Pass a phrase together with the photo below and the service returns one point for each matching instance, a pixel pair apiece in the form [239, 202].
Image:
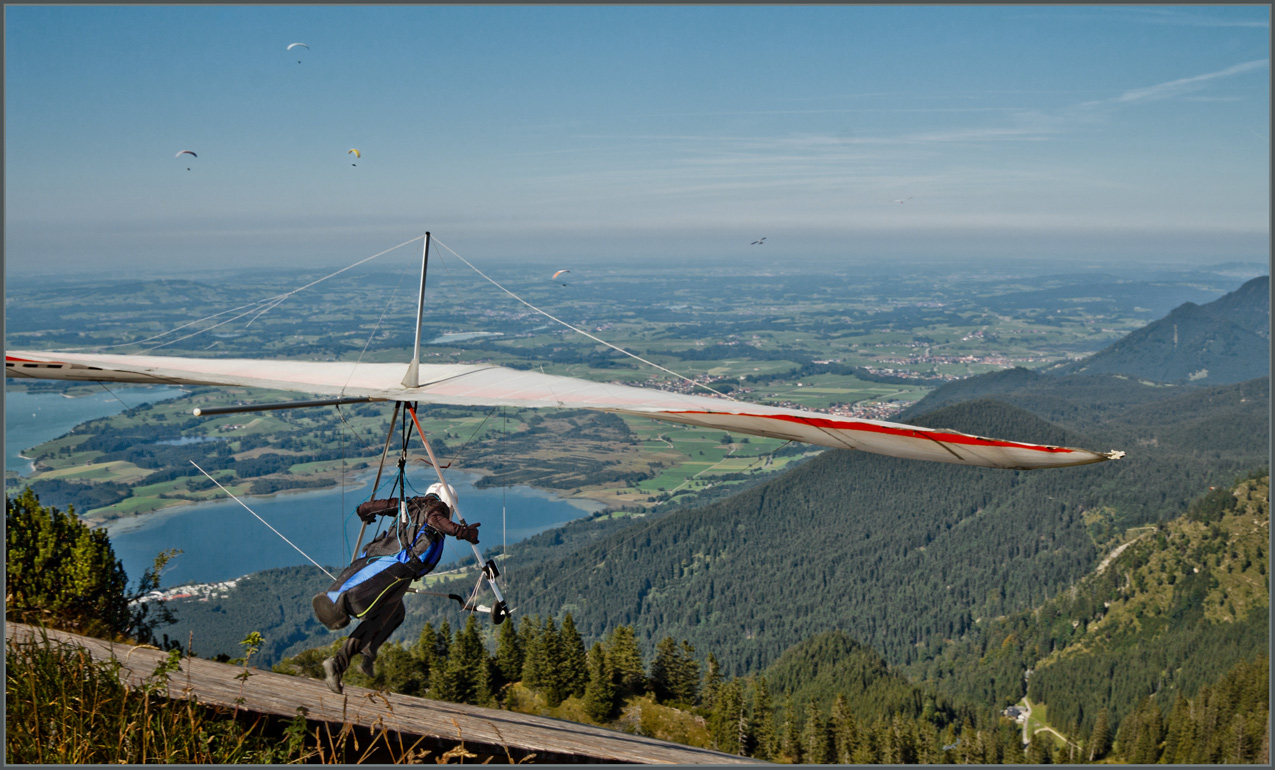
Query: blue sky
[613, 134]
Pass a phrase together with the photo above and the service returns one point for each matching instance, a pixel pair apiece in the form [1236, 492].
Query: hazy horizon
[621, 135]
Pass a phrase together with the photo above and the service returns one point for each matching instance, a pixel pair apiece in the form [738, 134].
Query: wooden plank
[266, 692]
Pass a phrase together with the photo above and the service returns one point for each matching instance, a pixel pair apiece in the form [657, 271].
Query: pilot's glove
[469, 532]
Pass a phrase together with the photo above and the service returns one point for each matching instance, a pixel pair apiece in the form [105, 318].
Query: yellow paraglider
[356, 154]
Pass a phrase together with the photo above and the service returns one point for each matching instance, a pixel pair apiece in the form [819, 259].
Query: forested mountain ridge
[1169, 612]
[900, 555]
[864, 544]
[831, 663]
[1224, 341]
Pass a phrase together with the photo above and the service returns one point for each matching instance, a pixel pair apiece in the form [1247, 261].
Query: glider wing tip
[1114, 454]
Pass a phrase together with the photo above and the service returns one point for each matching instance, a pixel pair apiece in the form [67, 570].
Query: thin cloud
[1185, 85]
[1178, 18]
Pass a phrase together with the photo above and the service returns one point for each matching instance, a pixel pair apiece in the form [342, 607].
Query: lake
[221, 540]
[30, 419]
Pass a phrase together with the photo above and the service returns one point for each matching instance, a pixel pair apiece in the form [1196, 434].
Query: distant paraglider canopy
[294, 45]
[356, 153]
[186, 152]
[560, 272]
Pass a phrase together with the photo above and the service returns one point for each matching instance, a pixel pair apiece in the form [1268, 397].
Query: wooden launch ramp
[488, 732]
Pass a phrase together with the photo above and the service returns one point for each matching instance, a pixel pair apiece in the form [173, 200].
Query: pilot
[371, 589]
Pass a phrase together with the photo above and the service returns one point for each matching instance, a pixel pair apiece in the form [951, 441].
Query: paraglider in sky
[186, 152]
[294, 45]
[560, 272]
[356, 153]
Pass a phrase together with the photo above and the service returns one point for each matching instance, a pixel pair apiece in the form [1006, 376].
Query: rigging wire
[263, 521]
[375, 329]
[269, 302]
[582, 331]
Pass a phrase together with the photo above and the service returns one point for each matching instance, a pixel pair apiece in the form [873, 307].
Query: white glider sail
[477, 385]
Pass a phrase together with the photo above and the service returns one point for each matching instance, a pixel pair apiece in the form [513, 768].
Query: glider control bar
[470, 607]
[201, 412]
[489, 572]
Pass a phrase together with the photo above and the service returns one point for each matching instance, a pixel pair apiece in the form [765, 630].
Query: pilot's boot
[332, 675]
[331, 614]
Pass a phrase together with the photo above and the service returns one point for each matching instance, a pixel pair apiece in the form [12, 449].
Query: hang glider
[481, 385]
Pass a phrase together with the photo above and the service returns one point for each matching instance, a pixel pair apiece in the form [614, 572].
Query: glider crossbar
[202, 412]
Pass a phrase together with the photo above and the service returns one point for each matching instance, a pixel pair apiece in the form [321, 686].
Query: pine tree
[508, 653]
[555, 674]
[712, 683]
[1100, 736]
[763, 721]
[1147, 734]
[1208, 725]
[844, 731]
[60, 572]
[1038, 752]
[443, 642]
[790, 734]
[905, 740]
[868, 752]
[687, 677]
[884, 739]
[397, 670]
[815, 737]
[626, 660]
[1238, 747]
[723, 720]
[928, 744]
[663, 674]
[425, 652]
[468, 676]
[534, 663]
[575, 670]
[1184, 740]
[599, 692]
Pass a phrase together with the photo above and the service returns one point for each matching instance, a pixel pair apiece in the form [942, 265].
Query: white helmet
[443, 492]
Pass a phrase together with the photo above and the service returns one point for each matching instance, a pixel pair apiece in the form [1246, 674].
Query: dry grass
[64, 707]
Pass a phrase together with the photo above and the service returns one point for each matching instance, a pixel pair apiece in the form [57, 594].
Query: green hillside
[899, 555]
[831, 663]
[1176, 607]
[1224, 341]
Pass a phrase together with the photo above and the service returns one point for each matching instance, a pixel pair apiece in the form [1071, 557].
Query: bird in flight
[757, 242]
